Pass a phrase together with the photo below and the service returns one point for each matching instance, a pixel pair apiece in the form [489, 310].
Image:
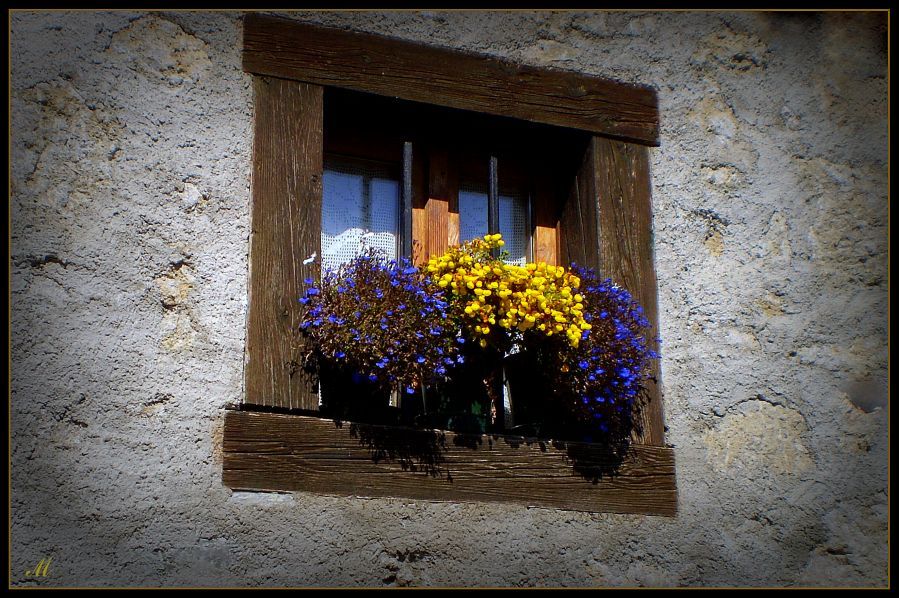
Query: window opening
[360, 210]
[510, 214]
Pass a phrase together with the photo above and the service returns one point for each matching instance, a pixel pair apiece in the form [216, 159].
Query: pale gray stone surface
[131, 141]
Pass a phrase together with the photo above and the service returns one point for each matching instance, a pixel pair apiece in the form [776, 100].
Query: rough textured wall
[130, 194]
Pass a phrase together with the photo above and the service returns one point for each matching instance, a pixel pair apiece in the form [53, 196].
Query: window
[409, 139]
[360, 211]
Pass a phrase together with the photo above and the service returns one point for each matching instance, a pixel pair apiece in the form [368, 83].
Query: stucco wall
[131, 138]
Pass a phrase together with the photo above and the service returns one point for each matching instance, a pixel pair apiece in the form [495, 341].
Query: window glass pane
[513, 209]
[472, 214]
[360, 210]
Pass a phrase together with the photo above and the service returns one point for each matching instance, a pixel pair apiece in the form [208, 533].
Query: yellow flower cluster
[491, 293]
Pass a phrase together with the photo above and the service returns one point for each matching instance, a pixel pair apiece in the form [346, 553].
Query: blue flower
[308, 281]
[420, 359]
[340, 355]
[410, 390]
[312, 292]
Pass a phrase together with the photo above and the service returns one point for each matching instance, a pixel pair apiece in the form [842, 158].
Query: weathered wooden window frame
[274, 442]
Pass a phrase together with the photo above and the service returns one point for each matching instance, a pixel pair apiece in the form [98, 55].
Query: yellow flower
[537, 296]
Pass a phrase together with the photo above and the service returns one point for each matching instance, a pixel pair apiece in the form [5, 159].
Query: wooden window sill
[282, 452]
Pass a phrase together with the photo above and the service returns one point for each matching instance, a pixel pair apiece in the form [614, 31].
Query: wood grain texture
[419, 236]
[419, 211]
[375, 64]
[626, 247]
[437, 208]
[545, 241]
[286, 229]
[265, 451]
[546, 221]
[579, 222]
[453, 224]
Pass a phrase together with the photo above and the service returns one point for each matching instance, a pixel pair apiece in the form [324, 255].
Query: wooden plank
[453, 222]
[437, 208]
[579, 222]
[545, 241]
[606, 224]
[451, 193]
[419, 211]
[419, 236]
[275, 452]
[546, 222]
[375, 64]
[286, 229]
[626, 247]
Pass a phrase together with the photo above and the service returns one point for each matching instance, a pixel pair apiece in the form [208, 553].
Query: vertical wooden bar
[626, 247]
[419, 210]
[406, 220]
[545, 228]
[453, 223]
[286, 231]
[437, 207]
[493, 199]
